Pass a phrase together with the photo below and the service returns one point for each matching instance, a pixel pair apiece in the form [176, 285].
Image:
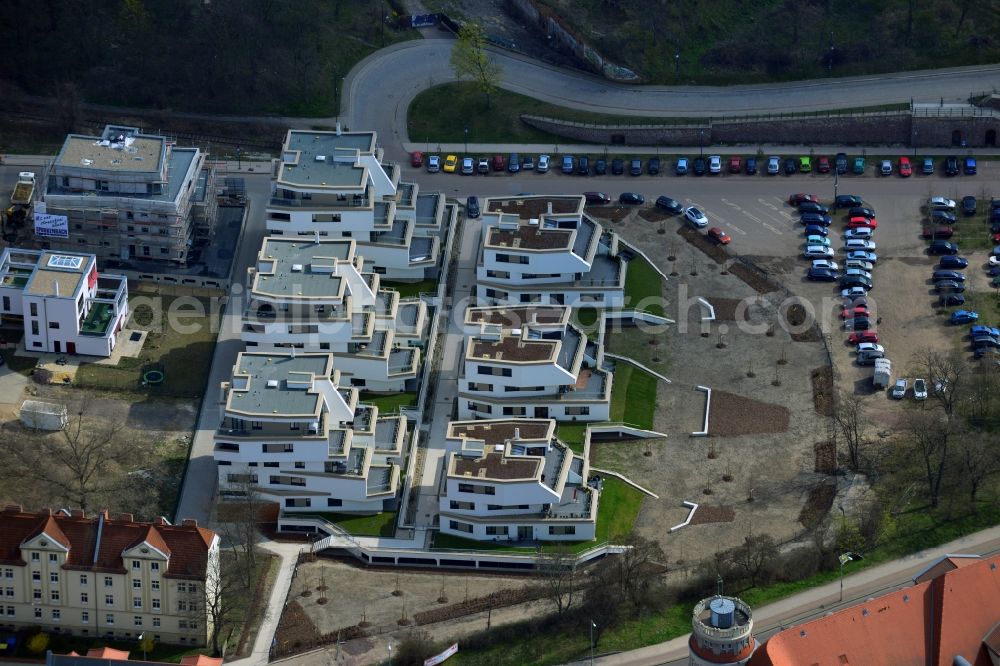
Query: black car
[617, 166]
[821, 275]
[631, 198]
[858, 324]
[861, 211]
[514, 163]
[847, 201]
[750, 166]
[812, 207]
[653, 166]
[816, 218]
[982, 341]
[949, 287]
[670, 205]
[583, 166]
[599, 198]
[791, 166]
[940, 247]
[600, 167]
[943, 217]
[951, 262]
[952, 299]
[942, 275]
[849, 281]
[699, 166]
[635, 168]
[951, 166]
[840, 163]
[969, 206]
[472, 208]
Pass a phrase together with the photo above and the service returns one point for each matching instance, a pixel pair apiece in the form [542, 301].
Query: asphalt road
[378, 90]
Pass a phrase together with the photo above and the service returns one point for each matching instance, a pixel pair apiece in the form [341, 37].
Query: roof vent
[723, 612]
[321, 158]
[297, 268]
[533, 221]
[272, 383]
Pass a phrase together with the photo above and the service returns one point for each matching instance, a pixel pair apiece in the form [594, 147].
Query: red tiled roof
[108, 653]
[200, 660]
[186, 544]
[928, 623]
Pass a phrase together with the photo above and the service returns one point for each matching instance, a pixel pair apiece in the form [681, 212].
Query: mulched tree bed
[822, 388]
[754, 279]
[654, 214]
[713, 514]
[795, 315]
[715, 252]
[817, 505]
[733, 414]
[826, 457]
[725, 308]
[613, 213]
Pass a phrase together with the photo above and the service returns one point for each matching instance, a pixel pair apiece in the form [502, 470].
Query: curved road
[378, 90]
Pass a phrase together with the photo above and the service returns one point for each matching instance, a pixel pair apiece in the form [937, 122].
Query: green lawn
[633, 396]
[181, 341]
[411, 289]
[380, 524]
[587, 320]
[572, 435]
[643, 287]
[389, 403]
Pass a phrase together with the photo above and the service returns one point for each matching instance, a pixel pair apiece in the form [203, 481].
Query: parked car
[868, 346]
[939, 247]
[951, 262]
[599, 198]
[949, 287]
[861, 211]
[963, 317]
[847, 201]
[799, 198]
[821, 275]
[943, 217]
[854, 311]
[750, 166]
[416, 159]
[905, 168]
[817, 252]
[568, 164]
[899, 389]
[979, 330]
[468, 166]
[670, 205]
[805, 164]
[951, 166]
[583, 166]
[869, 358]
[543, 164]
[514, 163]
[818, 240]
[985, 342]
[862, 255]
[861, 324]
[969, 206]
[450, 163]
[528, 163]
[791, 166]
[653, 166]
[617, 166]
[828, 264]
[936, 232]
[919, 389]
[681, 168]
[939, 276]
[699, 166]
[635, 167]
[848, 281]
[813, 207]
[816, 230]
[970, 166]
[858, 232]
[840, 163]
[433, 163]
[866, 266]
[714, 164]
[735, 164]
[695, 217]
[885, 168]
[816, 218]
[849, 272]
[498, 163]
[773, 165]
[600, 167]
[863, 337]
[483, 166]
[823, 164]
[854, 292]
[719, 236]
[631, 199]
[952, 299]
[472, 208]
[859, 166]
[869, 222]
[928, 166]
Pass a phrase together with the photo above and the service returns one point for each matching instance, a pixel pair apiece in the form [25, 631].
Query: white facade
[293, 435]
[66, 306]
[311, 294]
[529, 361]
[336, 185]
[560, 257]
[512, 480]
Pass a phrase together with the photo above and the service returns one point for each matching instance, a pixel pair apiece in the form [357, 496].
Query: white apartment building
[105, 577]
[529, 361]
[65, 305]
[312, 294]
[292, 434]
[546, 250]
[512, 480]
[131, 196]
[337, 185]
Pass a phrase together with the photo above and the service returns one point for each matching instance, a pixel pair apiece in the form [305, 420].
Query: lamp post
[466, 141]
[836, 184]
[677, 65]
[592, 627]
[701, 142]
[142, 644]
[390, 653]
[239, 158]
[914, 143]
[829, 61]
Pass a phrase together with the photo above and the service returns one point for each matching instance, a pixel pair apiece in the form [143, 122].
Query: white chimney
[57, 288]
[517, 434]
[317, 237]
[338, 129]
[293, 351]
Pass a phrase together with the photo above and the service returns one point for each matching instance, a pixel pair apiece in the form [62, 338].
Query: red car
[862, 336]
[936, 232]
[599, 198]
[995, 238]
[719, 236]
[417, 159]
[856, 311]
[856, 222]
[498, 163]
[735, 164]
[797, 199]
[823, 164]
[905, 168]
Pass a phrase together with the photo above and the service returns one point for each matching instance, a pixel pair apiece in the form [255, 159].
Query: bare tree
[980, 394]
[239, 521]
[755, 557]
[980, 456]
[928, 437]
[850, 419]
[559, 574]
[947, 374]
[635, 572]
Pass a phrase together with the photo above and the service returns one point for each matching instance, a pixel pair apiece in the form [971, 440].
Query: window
[164, 250]
[136, 602]
[34, 556]
[155, 584]
[84, 617]
[334, 501]
[37, 595]
[52, 556]
[182, 605]
[9, 592]
[562, 529]
[192, 588]
[33, 308]
[109, 599]
[34, 331]
[460, 527]
[53, 577]
[577, 411]
[54, 595]
[83, 579]
[136, 583]
[136, 564]
[8, 573]
[500, 372]
[271, 464]
[299, 465]
[109, 619]
[293, 503]
[84, 598]
[476, 489]
[496, 530]
[56, 614]
[137, 620]
[154, 566]
[11, 611]
[514, 411]
[501, 275]
[36, 576]
[478, 386]
[278, 448]
[156, 623]
[461, 506]
[514, 389]
[156, 604]
[511, 259]
[182, 624]
[38, 613]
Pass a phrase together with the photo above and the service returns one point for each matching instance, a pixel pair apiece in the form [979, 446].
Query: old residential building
[560, 256]
[311, 294]
[336, 184]
[100, 576]
[64, 304]
[292, 434]
[513, 480]
[131, 196]
[529, 361]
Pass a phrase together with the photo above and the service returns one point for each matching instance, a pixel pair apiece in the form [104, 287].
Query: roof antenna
[293, 351]
[317, 237]
[718, 586]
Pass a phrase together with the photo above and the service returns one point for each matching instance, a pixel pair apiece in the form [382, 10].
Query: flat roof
[325, 159]
[137, 153]
[512, 348]
[293, 267]
[518, 315]
[496, 466]
[52, 272]
[260, 384]
[536, 206]
[492, 433]
[530, 237]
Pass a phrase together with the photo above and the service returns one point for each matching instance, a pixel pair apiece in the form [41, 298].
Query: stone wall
[893, 128]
